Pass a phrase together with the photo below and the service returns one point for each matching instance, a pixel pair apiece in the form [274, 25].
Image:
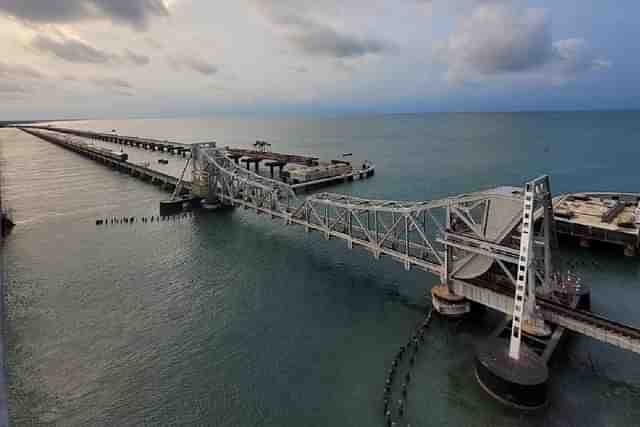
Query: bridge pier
[630, 250]
[273, 165]
[520, 383]
[449, 304]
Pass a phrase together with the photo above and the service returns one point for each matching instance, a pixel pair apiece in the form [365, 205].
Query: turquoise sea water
[228, 319]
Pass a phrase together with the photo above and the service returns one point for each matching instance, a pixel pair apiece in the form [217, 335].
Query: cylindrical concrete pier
[449, 304]
[520, 383]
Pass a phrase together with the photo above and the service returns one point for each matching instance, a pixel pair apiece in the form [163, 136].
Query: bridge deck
[112, 137]
[268, 155]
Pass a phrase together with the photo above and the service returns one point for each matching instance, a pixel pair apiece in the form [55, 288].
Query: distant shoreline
[317, 114]
[30, 122]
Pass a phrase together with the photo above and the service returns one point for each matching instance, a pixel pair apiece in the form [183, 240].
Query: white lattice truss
[413, 233]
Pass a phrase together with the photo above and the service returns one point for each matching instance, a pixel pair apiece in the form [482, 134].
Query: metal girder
[410, 232]
[425, 239]
[480, 251]
[490, 246]
[466, 219]
[404, 207]
[399, 227]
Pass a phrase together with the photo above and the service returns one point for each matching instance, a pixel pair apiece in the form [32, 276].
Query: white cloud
[505, 38]
[575, 55]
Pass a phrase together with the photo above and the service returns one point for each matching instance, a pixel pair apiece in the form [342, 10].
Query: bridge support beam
[443, 297]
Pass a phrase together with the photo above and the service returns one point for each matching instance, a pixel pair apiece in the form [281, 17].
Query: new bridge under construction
[493, 248]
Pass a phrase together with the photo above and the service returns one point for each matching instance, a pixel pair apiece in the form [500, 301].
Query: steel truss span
[457, 238]
[410, 232]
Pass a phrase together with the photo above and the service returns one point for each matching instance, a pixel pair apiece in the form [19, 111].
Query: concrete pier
[599, 217]
[273, 160]
[275, 164]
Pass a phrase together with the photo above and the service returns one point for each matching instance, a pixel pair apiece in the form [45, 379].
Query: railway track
[583, 322]
[596, 320]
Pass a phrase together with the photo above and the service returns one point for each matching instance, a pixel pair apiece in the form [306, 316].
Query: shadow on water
[328, 256]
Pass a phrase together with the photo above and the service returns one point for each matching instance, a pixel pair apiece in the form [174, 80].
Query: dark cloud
[19, 80]
[10, 71]
[135, 13]
[45, 11]
[313, 37]
[71, 50]
[316, 39]
[114, 85]
[153, 43]
[499, 38]
[8, 87]
[136, 58]
[78, 51]
[194, 64]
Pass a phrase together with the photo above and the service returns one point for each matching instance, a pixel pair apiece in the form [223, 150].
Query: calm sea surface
[228, 319]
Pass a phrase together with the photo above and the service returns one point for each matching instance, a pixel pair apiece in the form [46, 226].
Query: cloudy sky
[115, 58]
